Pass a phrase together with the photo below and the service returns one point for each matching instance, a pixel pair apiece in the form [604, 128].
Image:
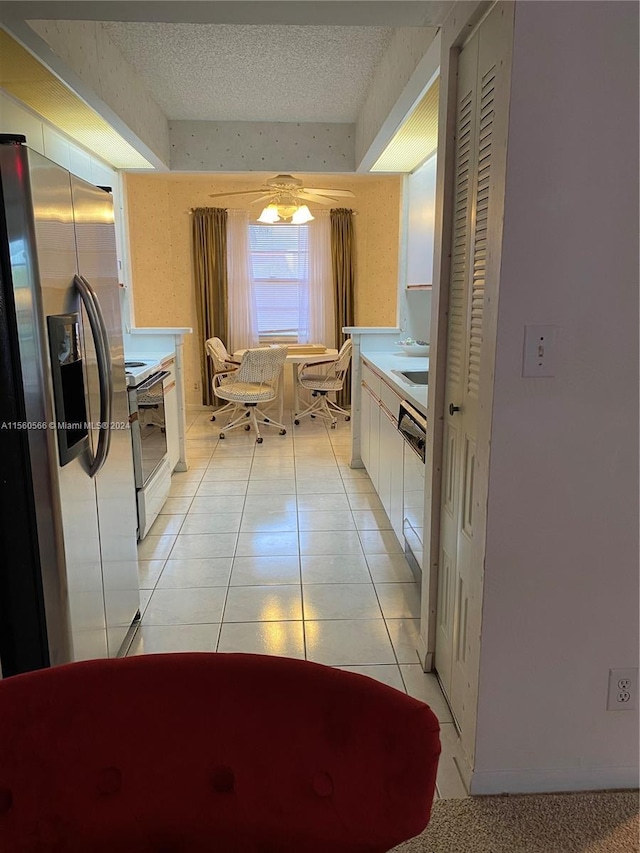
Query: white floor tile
[359, 486]
[343, 542]
[449, 782]
[319, 486]
[259, 473]
[155, 547]
[399, 600]
[185, 606]
[387, 568]
[368, 519]
[176, 506]
[263, 521]
[424, 686]
[405, 635]
[366, 501]
[158, 639]
[285, 639]
[263, 603]
[340, 601]
[335, 569]
[149, 572]
[272, 487]
[186, 574]
[380, 542]
[330, 502]
[386, 673]
[145, 596]
[215, 488]
[183, 490]
[251, 571]
[348, 642]
[275, 544]
[204, 545]
[326, 520]
[166, 524]
[270, 503]
[218, 503]
[221, 522]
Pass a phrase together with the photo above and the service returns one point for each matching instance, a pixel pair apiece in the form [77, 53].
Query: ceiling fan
[286, 198]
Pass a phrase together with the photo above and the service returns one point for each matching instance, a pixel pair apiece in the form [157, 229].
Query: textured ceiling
[222, 72]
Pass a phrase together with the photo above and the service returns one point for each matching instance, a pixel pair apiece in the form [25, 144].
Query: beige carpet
[603, 822]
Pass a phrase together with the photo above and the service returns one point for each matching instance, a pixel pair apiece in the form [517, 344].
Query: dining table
[295, 359]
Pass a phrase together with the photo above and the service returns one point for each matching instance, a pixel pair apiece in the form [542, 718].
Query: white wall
[561, 574]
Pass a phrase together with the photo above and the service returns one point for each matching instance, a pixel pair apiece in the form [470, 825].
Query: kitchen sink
[414, 377]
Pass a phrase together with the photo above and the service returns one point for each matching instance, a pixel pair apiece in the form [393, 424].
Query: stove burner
[135, 364]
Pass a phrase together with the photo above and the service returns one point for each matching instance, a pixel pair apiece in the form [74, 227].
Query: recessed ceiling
[221, 72]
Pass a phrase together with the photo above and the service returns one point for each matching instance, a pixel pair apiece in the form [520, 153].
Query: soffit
[253, 73]
[22, 76]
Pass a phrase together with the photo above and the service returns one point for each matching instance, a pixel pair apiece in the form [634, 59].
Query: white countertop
[386, 362]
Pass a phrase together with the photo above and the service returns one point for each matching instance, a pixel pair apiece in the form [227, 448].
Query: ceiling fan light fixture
[269, 215]
[302, 215]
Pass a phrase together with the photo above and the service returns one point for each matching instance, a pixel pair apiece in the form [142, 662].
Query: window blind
[279, 263]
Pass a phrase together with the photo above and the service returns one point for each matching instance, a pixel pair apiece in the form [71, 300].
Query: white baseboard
[553, 780]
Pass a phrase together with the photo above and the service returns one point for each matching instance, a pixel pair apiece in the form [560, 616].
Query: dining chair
[255, 381]
[223, 366]
[321, 384]
[195, 752]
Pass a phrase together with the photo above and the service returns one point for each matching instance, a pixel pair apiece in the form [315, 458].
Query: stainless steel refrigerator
[68, 562]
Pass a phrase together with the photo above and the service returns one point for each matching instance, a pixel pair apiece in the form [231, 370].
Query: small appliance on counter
[145, 387]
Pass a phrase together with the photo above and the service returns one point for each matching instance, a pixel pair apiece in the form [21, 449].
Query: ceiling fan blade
[238, 192]
[262, 198]
[320, 199]
[340, 193]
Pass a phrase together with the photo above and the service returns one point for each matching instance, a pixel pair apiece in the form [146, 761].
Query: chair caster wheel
[314, 417]
[247, 427]
[266, 420]
[212, 418]
[283, 432]
[259, 440]
[221, 435]
[348, 418]
[297, 422]
[333, 425]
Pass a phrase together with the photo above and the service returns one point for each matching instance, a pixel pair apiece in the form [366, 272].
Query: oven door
[148, 427]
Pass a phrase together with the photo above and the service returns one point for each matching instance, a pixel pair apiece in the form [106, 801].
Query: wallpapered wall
[159, 225]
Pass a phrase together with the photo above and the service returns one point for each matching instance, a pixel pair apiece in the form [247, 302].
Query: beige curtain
[210, 272]
[343, 261]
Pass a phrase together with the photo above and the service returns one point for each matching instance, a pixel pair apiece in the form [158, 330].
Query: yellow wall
[160, 246]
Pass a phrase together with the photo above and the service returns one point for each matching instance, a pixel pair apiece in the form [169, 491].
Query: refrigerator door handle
[105, 379]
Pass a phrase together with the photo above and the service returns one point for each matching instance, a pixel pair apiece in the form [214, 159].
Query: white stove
[138, 369]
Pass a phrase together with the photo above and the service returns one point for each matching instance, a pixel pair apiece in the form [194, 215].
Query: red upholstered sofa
[227, 753]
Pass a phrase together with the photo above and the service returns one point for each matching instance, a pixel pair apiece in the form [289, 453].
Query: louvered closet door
[460, 571]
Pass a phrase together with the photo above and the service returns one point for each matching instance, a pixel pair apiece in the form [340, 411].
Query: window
[279, 263]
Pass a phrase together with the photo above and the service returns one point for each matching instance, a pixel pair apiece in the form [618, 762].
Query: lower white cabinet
[382, 446]
[171, 413]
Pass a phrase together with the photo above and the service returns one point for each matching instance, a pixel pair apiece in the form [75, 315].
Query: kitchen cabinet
[171, 412]
[382, 446]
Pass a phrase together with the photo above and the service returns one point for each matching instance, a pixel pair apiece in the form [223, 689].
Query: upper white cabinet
[420, 225]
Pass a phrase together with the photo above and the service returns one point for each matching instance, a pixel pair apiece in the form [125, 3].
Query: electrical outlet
[196, 386]
[623, 690]
[539, 356]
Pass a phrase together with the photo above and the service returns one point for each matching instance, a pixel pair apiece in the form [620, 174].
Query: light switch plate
[539, 356]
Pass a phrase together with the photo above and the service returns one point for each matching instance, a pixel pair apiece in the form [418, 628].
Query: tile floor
[281, 548]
